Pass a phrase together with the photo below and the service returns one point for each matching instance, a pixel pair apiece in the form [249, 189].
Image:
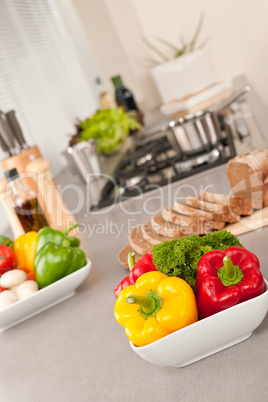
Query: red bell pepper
[136, 270]
[7, 259]
[226, 278]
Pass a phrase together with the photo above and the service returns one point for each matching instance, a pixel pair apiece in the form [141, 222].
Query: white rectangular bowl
[43, 299]
[207, 336]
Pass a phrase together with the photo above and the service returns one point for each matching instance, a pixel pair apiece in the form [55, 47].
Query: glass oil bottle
[25, 203]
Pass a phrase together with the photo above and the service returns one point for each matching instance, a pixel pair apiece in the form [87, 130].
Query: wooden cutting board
[203, 105]
[247, 224]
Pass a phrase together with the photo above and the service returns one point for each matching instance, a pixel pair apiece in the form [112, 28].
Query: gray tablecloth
[76, 351]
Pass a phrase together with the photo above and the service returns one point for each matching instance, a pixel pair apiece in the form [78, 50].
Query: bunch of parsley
[180, 257]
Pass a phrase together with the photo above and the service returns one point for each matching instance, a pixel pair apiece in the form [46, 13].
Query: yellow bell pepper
[24, 248]
[154, 307]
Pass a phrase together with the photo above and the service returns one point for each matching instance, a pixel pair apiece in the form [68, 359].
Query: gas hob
[149, 165]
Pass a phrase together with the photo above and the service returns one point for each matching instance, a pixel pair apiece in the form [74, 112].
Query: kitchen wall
[47, 75]
[237, 29]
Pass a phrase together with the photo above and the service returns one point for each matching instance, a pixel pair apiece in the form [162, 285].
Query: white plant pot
[182, 76]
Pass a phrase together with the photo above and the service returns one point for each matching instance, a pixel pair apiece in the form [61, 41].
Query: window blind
[47, 73]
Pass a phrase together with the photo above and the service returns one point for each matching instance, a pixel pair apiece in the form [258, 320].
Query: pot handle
[234, 98]
[169, 133]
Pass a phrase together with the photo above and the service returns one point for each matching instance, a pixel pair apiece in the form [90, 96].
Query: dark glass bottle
[123, 96]
[25, 204]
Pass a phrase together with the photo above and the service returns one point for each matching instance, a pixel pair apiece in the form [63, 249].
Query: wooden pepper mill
[55, 210]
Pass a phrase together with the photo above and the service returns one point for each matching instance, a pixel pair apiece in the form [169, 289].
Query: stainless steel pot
[200, 131]
[194, 133]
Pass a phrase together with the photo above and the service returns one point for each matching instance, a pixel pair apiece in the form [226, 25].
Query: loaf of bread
[248, 175]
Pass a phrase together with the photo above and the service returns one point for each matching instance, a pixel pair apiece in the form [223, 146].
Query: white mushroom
[26, 289]
[13, 278]
[7, 297]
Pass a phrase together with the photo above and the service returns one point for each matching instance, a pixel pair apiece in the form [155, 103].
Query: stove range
[154, 163]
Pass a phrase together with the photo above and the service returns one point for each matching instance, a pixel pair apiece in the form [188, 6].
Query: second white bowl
[207, 336]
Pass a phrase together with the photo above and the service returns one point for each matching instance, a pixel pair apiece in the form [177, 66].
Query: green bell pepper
[54, 262]
[6, 241]
[49, 235]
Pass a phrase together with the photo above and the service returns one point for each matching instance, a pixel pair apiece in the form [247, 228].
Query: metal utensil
[239, 122]
[234, 98]
[7, 134]
[17, 131]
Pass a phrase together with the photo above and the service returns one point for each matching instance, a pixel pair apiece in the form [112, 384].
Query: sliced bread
[207, 206]
[123, 255]
[138, 242]
[195, 225]
[182, 208]
[165, 228]
[238, 205]
[151, 236]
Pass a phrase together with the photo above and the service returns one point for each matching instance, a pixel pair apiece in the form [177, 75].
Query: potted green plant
[180, 70]
[109, 129]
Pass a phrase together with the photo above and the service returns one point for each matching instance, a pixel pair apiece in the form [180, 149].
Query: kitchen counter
[76, 351]
[122, 163]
